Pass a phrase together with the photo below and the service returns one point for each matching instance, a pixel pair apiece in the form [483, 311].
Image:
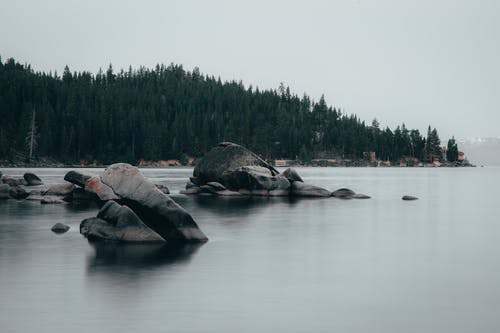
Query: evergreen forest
[168, 112]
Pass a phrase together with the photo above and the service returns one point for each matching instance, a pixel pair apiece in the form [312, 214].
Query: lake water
[271, 265]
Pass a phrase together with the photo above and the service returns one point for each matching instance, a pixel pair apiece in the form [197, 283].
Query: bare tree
[32, 137]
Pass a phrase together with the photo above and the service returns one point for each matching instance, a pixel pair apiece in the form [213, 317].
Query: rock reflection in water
[122, 258]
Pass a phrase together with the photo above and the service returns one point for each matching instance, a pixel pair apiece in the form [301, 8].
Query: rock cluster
[232, 170]
[133, 208]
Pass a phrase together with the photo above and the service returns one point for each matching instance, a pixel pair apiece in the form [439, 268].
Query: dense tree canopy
[168, 112]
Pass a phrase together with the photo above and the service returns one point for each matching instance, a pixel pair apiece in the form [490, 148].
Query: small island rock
[409, 198]
[60, 228]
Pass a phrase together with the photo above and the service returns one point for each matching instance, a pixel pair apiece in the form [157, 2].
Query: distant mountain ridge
[481, 151]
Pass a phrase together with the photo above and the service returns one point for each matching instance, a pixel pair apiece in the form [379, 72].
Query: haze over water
[271, 265]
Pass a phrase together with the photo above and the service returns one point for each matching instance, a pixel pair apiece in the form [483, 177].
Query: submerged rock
[32, 179]
[117, 222]
[60, 228]
[343, 193]
[360, 196]
[301, 189]
[409, 198]
[52, 199]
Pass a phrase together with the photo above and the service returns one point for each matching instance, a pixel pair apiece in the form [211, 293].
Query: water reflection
[131, 258]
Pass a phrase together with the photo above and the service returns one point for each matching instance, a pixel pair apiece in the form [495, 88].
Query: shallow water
[271, 265]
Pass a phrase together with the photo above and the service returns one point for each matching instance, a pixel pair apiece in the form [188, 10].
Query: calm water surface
[271, 265]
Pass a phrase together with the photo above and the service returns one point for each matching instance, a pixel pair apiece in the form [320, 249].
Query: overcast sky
[420, 62]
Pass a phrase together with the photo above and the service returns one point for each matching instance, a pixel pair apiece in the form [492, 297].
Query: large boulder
[157, 210]
[118, 223]
[226, 157]
[241, 171]
[343, 193]
[32, 179]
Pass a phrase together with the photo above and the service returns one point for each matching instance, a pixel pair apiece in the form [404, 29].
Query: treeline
[170, 113]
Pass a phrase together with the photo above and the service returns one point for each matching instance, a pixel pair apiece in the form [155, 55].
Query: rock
[190, 184]
[158, 211]
[360, 196]
[292, 175]
[11, 181]
[163, 188]
[409, 198]
[118, 223]
[79, 177]
[343, 193]
[79, 194]
[191, 190]
[4, 191]
[254, 178]
[228, 193]
[196, 181]
[59, 189]
[103, 192]
[223, 158]
[60, 228]
[216, 186]
[17, 192]
[35, 196]
[52, 199]
[32, 179]
[306, 190]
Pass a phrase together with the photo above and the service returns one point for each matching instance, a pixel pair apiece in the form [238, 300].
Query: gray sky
[419, 62]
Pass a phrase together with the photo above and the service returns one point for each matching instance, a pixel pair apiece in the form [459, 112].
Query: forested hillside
[168, 112]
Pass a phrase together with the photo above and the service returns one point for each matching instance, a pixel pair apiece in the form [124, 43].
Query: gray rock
[59, 189]
[226, 157]
[292, 175]
[118, 223]
[32, 179]
[254, 178]
[409, 198]
[4, 191]
[17, 192]
[60, 228]
[78, 177]
[343, 193]
[12, 181]
[52, 199]
[79, 194]
[102, 191]
[158, 211]
[35, 196]
[163, 188]
[360, 196]
[190, 184]
[301, 189]
[216, 186]
[191, 190]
